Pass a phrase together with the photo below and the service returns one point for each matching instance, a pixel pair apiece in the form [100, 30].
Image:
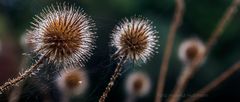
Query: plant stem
[22, 76]
[178, 15]
[181, 84]
[212, 40]
[231, 10]
[114, 77]
[202, 92]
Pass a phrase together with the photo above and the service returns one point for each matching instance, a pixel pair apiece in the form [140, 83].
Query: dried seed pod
[190, 49]
[65, 32]
[135, 38]
[72, 81]
[138, 84]
[62, 35]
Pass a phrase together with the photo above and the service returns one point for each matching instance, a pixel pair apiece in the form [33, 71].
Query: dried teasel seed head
[72, 81]
[65, 32]
[190, 49]
[138, 84]
[135, 38]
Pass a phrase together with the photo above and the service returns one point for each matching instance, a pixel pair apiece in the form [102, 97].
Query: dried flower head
[25, 38]
[138, 84]
[135, 38]
[191, 49]
[72, 81]
[65, 32]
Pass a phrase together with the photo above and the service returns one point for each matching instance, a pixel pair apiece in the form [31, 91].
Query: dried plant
[72, 81]
[138, 84]
[190, 49]
[62, 35]
[193, 67]
[178, 15]
[233, 69]
[135, 40]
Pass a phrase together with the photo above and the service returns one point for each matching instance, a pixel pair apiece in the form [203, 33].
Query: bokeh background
[201, 17]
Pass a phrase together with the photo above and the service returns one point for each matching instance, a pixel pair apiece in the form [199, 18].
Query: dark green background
[201, 17]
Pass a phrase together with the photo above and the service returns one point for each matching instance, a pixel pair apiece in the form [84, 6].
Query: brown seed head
[191, 49]
[135, 38]
[65, 32]
[192, 52]
[138, 84]
[72, 81]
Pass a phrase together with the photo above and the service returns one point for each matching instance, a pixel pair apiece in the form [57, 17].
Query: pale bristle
[65, 32]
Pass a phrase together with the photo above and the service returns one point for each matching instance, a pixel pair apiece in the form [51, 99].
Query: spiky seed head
[72, 81]
[190, 49]
[65, 32]
[135, 38]
[138, 84]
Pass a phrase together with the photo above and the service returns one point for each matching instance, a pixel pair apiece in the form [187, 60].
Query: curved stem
[202, 92]
[178, 15]
[116, 74]
[231, 10]
[212, 40]
[181, 84]
[22, 76]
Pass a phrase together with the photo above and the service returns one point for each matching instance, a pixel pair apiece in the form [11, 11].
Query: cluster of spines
[64, 31]
[135, 38]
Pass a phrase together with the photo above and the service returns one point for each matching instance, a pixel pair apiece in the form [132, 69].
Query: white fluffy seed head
[65, 32]
[72, 82]
[135, 38]
[138, 84]
[190, 49]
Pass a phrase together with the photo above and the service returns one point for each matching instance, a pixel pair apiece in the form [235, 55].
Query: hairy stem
[202, 92]
[22, 76]
[114, 77]
[178, 15]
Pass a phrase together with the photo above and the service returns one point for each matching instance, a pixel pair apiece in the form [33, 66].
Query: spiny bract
[135, 38]
[65, 33]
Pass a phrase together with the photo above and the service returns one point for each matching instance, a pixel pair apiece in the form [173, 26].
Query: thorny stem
[212, 40]
[178, 15]
[116, 74]
[214, 83]
[22, 76]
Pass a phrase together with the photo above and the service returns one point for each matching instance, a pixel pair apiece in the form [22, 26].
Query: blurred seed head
[135, 38]
[65, 32]
[138, 84]
[72, 81]
[190, 49]
[24, 42]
